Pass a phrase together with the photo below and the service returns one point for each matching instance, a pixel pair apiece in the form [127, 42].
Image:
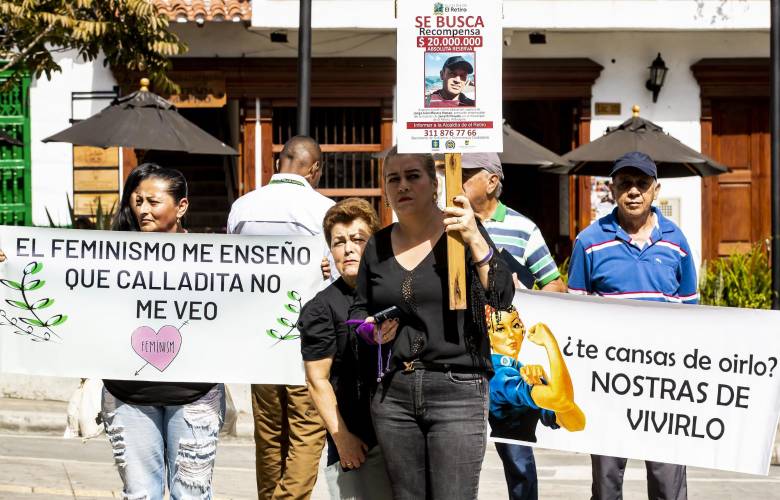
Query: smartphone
[391, 312]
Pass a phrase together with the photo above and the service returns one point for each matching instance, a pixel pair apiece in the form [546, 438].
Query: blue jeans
[148, 440]
[519, 470]
[432, 427]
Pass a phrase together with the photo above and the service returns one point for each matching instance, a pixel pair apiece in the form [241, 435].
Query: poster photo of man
[449, 80]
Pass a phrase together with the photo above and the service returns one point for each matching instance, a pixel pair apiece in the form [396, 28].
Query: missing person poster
[674, 383]
[154, 306]
[449, 76]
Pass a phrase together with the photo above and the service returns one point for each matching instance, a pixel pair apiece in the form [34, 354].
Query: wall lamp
[657, 75]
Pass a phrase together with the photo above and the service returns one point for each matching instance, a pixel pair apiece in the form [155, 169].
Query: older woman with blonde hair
[430, 410]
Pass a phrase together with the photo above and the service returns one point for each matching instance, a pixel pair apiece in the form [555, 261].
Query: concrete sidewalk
[36, 463]
[27, 416]
[49, 417]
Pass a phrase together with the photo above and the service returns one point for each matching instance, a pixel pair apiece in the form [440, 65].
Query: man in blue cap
[522, 246]
[455, 78]
[634, 253]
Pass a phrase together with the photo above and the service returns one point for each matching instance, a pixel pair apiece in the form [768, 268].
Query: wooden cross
[456, 252]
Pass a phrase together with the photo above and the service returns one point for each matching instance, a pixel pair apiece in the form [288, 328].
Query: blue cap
[637, 160]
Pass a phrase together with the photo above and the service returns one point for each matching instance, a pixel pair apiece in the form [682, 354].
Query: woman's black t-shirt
[324, 334]
[428, 330]
[143, 393]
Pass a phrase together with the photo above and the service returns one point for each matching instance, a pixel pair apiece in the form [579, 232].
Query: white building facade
[623, 37]
[594, 60]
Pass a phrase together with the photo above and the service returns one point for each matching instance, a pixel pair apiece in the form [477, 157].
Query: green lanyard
[287, 181]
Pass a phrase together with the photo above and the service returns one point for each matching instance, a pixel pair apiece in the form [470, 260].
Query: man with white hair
[522, 246]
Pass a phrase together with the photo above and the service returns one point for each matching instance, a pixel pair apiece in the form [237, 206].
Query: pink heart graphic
[157, 348]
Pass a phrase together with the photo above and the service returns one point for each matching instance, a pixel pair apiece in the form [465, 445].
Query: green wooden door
[15, 176]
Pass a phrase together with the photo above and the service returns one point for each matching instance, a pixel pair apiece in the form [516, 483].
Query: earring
[435, 197]
[387, 204]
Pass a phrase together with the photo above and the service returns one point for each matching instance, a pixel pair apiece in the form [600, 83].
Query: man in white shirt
[289, 433]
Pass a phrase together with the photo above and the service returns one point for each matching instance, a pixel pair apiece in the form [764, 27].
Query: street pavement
[37, 466]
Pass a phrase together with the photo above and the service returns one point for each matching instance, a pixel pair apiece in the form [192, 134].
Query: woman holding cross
[430, 409]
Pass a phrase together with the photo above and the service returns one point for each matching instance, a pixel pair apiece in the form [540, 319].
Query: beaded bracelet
[485, 259]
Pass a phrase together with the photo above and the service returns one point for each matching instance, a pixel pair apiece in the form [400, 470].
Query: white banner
[154, 306]
[673, 383]
[449, 76]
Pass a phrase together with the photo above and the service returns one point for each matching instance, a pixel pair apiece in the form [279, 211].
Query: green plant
[71, 215]
[740, 280]
[100, 218]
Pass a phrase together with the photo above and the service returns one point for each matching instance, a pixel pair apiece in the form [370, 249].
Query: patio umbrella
[520, 150]
[674, 159]
[146, 121]
[7, 140]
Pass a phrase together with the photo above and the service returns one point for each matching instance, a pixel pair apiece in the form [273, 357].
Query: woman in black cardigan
[430, 411]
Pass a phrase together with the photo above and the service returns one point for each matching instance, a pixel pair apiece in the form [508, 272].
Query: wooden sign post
[456, 251]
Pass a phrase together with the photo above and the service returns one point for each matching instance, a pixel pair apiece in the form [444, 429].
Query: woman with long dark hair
[430, 410]
[162, 433]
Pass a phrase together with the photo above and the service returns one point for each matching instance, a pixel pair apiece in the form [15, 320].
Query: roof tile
[205, 10]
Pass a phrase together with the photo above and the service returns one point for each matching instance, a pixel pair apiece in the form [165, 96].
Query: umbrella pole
[304, 67]
[456, 251]
[775, 151]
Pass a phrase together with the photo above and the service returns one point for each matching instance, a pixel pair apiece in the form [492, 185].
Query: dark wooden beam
[736, 77]
[567, 78]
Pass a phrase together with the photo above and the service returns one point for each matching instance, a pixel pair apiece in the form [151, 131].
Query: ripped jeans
[148, 440]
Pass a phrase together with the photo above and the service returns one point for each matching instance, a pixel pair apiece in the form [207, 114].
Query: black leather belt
[410, 366]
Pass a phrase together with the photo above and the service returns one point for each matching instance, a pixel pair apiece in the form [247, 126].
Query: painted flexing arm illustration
[520, 395]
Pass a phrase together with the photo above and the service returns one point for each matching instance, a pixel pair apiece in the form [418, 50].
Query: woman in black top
[340, 390]
[430, 412]
[161, 432]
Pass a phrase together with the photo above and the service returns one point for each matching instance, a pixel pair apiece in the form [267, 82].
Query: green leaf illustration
[292, 308]
[17, 303]
[290, 337]
[285, 322]
[31, 321]
[293, 295]
[11, 284]
[272, 333]
[34, 285]
[56, 320]
[43, 304]
[33, 267]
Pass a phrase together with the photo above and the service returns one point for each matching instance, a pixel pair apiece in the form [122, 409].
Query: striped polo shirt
[518, 235]
[606, 262]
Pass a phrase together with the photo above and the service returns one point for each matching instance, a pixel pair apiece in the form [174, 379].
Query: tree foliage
[130, 33]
